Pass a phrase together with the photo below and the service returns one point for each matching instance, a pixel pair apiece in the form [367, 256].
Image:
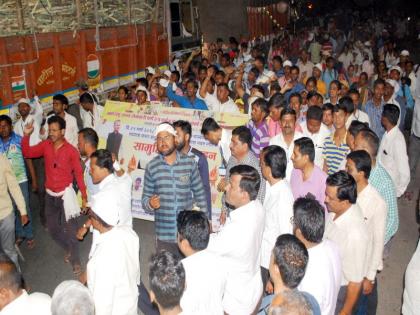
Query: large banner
[128, 131]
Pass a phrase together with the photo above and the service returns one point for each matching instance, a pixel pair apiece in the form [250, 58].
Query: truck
[49, 45]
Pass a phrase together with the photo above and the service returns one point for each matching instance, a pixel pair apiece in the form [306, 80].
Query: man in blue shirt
[172, 184]
[294, 86]
[287, 268]
[190, 101]
[10, 147]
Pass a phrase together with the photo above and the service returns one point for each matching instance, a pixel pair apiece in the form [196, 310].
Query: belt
[54, 194]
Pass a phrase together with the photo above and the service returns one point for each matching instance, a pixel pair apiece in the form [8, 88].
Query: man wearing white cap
[321, 87]
[26, 117]
[113, 271]
[172, 183]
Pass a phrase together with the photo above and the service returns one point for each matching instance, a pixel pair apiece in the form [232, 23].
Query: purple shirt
[315, 184]
[260, 137]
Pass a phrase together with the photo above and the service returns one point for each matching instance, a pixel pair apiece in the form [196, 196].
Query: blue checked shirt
[179, 186]
[382, 182]
[375, 114]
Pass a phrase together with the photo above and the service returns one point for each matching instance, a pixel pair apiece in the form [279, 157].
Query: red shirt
[60, 165]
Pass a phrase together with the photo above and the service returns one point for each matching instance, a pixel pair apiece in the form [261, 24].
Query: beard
[168, 151]
[180, 145]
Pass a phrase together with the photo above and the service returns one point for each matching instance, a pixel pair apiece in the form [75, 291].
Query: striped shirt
[179, 187]
[375, 113]
[334, 155]
[382, 182]
[260, 136]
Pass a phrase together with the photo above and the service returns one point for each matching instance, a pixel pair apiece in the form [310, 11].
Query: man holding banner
[172, 183]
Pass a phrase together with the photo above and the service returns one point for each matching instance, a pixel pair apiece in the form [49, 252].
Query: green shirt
[12, 150]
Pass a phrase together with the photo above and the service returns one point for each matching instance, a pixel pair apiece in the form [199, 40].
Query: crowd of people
[310, 183]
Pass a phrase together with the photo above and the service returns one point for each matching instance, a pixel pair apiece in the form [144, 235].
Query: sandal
[19, 241]
[77, 270]
[67, 257]
[30, 243]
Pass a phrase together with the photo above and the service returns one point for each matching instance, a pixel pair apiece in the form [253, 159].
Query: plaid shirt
[260, 136]
[375, 114]
[178, 185]
[382, 182]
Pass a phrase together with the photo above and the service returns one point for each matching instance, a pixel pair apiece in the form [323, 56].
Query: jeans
[26, 231]
[7, 237]
[62, 231]
[367, 304]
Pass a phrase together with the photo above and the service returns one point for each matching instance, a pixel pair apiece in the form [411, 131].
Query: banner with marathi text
[128, 131]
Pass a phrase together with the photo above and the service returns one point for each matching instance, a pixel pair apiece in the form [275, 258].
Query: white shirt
[323, 275]
[349, 232]
[19, 126]
[411, 297]
[228, 107]
[393, 156]
[224, 144]
[91, 120]
[318, 139]
[114, 198]
[279, 140]
[277, 218]
[205, 275]
[71, 132]
[374, 210]
[113, 272]
[35, 304]
[211, 101]
[359, 116]
[305, 67]
[239, 242]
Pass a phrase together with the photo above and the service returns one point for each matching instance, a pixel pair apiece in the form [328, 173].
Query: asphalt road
[44, 268]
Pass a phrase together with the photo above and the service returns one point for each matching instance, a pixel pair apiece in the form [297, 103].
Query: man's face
[237, 148]
[395, 75]
[55, 133]
[333, 90]
[313, 125]
[202, 75]
[137, 184]
[181, 138]
[165, 143]
[122, 96]
[355, 99]
[310, 86]
[257, 115]
[97, 173]
[287, 123]
[295, 104]
[378, 91]
[350, 141]
[224, 62]
[276, 65]
[259, 65]
[275, 112]
[213, 137]
[141, 97]
[339, 119]
[388, 90]
[316, 73]
[408, 67]
[24, 109]
[218, 78]
[361, 144]
[5, 129]
[304, 56]
[251, 76]
[299, 161]
[327, 117]
[234, 193]
[117, 126]
[222, 94]
[265, 170]
[58, 107]
[331, 200]
[81, 143]
[294, 74]
[351, 168]
[330, 64]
